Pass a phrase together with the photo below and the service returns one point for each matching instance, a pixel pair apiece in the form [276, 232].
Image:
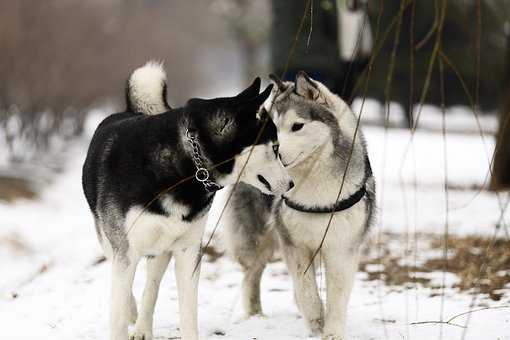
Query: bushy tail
[146, 89]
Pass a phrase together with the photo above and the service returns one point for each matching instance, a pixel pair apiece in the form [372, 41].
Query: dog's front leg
[187, 286]
[340, 274]
[123, 272]
[305, 287]
[156, 268]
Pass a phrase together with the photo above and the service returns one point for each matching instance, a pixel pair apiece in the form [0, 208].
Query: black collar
[202, 175]
[338, 206]
[342, 205]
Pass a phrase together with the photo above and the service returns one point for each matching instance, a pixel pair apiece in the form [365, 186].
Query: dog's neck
[318, 178]
[197, 153]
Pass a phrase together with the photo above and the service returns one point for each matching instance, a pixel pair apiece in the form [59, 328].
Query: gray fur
[251, 227]
[315, 111]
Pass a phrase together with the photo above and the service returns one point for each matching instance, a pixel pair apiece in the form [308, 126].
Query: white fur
[316, 170]
[156, 268]
[318, 184]
[145, 86]
[310, 152]
[264, 162]
[161, 237]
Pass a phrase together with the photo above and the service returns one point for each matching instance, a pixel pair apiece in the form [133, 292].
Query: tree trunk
[501, 169]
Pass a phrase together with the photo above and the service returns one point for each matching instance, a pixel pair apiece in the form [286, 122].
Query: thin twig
[446, 198]
[379, 243]
[430, 33]
[436, 322]
[387, 100]
[311, 26]
[412, 84]
[289, 58]
[476, 310]
[169, 189]
[483, 267]
[344, 176]
[355, 54]
[490, 159]
[432, 61]
[378, 45]
[450, 320]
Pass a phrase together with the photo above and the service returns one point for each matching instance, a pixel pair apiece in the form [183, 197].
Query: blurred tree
[61, 57]
[327, 47]
[249, 21]
[458, 44]
[316, 50]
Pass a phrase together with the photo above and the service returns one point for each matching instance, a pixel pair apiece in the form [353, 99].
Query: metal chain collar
[202, 174]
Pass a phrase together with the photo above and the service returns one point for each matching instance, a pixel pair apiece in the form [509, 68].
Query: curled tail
[146, 89]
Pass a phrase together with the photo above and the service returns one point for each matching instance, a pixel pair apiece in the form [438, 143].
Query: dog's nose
[291, 185]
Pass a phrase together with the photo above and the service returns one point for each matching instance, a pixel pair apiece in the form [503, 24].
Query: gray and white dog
[150, 176]
[316, 130]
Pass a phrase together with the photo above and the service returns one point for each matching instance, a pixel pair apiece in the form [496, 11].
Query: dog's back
[119, 149]
[99, 147]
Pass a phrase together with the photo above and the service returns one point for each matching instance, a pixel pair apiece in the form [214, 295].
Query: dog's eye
[275, 149]
[296, 127]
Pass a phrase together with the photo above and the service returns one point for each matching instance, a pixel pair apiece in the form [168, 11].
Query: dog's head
[307, 115]
[235, 128]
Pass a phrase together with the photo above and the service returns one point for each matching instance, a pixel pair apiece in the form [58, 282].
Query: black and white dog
[150, 176]
[316, 130]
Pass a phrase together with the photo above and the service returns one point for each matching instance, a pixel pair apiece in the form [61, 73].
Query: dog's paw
[315, 326]
[333, 337]
[259, 315]
[141, 335]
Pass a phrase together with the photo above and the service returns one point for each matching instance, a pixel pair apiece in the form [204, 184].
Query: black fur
[134, 157]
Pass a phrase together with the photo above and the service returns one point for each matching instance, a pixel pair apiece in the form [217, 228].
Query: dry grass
[15, 244]
[488, 272]
[388, 261]
[12, 189]
[467, 260]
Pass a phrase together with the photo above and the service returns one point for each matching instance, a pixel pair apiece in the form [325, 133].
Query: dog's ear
[306, 87]
[250, 92]
[254, 103]
[261, 98]
[278, 82]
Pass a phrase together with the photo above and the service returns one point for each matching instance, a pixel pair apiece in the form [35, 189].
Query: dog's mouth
[294, 161]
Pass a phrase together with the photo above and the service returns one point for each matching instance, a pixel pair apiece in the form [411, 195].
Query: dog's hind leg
[340, 274]
[251, 289]
[305, 287]
[123, 272]
[261, 249]
[156, 268]
[187, 272]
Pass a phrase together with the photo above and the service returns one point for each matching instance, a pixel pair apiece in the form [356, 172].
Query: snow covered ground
[52, 288]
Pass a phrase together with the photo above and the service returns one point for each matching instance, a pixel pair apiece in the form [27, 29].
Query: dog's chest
[307, 229]
[153, 234]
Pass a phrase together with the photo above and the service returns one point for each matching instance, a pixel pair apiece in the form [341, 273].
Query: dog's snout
[291, 184]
